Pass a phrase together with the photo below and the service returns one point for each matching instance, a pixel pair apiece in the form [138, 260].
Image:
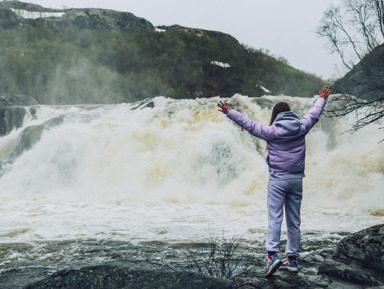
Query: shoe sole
[273, 268]
[290, 269]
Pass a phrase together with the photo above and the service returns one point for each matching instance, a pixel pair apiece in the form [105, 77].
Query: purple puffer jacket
[285, 137]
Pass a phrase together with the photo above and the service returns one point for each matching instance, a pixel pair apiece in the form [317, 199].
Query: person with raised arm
[285, 137]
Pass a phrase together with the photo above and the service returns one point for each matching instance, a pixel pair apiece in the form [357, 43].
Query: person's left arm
[313, 115]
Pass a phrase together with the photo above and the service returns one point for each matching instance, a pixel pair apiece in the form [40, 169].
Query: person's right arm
[252, 127]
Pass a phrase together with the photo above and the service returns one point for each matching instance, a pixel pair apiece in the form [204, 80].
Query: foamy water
[173, 171]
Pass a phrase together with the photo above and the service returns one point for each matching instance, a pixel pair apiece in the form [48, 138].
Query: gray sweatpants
[287, 193]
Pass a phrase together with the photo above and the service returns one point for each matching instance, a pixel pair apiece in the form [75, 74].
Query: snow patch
[222, 64]
[160, 30]
[35, 15]
[263, 88]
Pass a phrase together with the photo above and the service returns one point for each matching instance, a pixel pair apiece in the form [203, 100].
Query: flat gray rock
[119, 277]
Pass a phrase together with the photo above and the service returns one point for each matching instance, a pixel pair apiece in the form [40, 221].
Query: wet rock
[357, 262]
[13, 110]
[32, 134]
[359, 258]
[11, 118]
[307, 277]
[322, 268]
[366, 246]
[119, 277]
[348, 272]
[148, 102]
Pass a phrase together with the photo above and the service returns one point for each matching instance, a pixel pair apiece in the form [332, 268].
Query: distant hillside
[105, 56]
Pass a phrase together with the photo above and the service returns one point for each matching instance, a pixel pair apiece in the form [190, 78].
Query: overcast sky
[284, 27]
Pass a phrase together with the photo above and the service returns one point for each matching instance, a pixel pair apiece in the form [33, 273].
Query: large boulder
[359, 258]
[348, 272]
[366, 246]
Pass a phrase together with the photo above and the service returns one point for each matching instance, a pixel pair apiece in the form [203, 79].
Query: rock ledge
[119, 277]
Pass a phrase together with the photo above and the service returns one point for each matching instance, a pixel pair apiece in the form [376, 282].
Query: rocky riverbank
[357, 262]
[120, 277]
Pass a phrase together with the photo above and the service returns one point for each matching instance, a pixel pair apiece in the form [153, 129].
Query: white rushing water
[172, 171]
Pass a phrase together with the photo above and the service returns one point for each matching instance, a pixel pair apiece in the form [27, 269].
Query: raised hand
[325, 92]
[223, 107]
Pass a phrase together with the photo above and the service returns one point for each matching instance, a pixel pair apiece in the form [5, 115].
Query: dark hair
[279, 107]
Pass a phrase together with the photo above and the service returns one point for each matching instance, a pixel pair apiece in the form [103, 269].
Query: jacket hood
[288, 120]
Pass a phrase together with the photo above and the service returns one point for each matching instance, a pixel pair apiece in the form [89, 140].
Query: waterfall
[167, 169]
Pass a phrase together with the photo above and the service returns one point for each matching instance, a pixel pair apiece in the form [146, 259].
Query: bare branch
[329, 29]
[378, 6]
[353, 29]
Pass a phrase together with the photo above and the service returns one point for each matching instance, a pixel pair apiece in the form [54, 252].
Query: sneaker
[272, 264]
[290, 265]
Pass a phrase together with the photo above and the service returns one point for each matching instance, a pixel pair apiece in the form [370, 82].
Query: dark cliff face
[13, 13]
[366, 79]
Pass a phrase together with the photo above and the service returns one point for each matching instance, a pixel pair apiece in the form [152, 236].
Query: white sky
[284, 27]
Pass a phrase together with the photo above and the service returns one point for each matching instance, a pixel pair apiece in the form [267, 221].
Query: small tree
[219, 257]
[361, 92]
[220, 260]
[367, 112]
